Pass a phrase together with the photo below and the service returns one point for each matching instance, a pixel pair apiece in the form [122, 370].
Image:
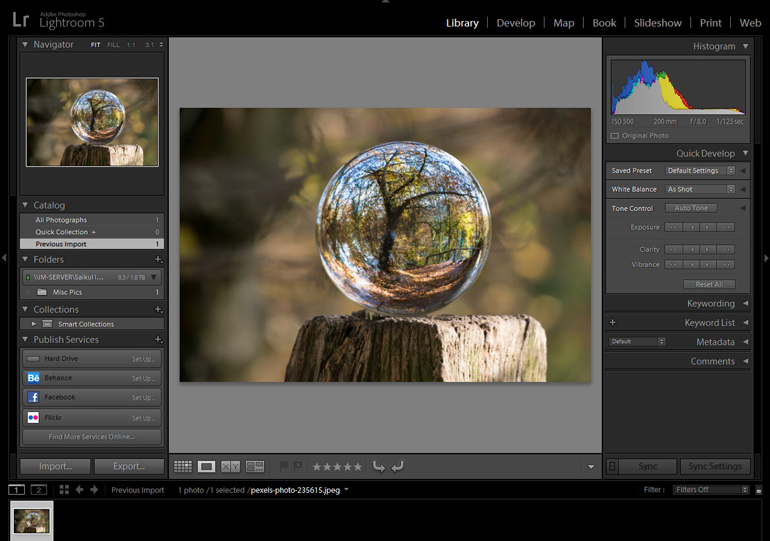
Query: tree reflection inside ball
[403, 228]
[97, 117]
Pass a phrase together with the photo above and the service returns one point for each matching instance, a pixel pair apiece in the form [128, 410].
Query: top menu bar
[377, 18]
[604, 24]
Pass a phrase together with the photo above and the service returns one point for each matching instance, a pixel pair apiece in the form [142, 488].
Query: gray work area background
[393, 417]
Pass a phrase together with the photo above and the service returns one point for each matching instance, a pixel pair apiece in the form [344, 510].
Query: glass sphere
[97, 117]
[403, 228]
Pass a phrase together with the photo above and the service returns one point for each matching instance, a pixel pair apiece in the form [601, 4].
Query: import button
[56, 466]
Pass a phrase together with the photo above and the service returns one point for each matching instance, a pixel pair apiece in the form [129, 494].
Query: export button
[133, 466]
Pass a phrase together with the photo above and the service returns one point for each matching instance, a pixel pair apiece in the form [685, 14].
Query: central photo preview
[385, 245]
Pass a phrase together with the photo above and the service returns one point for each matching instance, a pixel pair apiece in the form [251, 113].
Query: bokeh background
[48, 116]
[251, 180]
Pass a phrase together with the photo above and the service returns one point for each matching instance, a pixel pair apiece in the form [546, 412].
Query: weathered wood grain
[103, 155]
[442, 348]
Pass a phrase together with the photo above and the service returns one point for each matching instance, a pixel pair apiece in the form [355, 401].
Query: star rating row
[337, 467]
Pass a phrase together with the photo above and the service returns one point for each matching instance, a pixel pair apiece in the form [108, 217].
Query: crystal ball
[97, 117]
[403, 228]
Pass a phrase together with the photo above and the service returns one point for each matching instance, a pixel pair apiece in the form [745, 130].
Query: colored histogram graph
[649, 92]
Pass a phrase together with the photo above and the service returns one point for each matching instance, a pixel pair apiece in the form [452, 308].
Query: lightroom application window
[380, 254]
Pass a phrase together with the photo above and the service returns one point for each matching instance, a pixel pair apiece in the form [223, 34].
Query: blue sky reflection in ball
[97, 117]
[403, 228]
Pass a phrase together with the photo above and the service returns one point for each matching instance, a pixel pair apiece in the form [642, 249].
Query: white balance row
[91, 244]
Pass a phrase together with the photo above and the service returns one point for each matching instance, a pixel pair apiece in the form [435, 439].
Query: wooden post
[443, 348]
[103, 155]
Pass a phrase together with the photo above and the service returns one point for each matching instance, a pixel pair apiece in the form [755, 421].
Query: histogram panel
[678, 99]
[715, 87]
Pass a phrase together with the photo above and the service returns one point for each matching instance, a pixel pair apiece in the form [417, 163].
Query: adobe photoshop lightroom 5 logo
[23, 20]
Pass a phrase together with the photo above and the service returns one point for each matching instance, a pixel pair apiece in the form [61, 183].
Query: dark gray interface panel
[91, 281]
[679, 316]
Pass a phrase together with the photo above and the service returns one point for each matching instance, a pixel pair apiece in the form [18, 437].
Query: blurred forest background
[251, 181]
[49, 102]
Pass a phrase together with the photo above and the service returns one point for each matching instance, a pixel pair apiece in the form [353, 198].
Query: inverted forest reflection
[250, 185]
[403, 228]
[97, 117]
